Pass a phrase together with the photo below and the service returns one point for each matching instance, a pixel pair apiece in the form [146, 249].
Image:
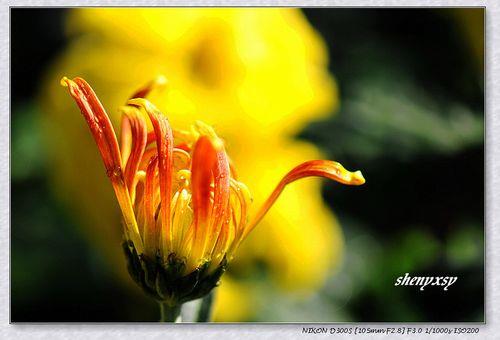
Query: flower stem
[170, 313]
[205, 311]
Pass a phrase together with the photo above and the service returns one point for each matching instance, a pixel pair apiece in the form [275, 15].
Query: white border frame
[490, 330]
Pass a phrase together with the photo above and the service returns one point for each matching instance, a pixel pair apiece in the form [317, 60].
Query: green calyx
[166, 282]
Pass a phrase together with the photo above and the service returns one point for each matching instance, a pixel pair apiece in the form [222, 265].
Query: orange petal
[125, 138]
[209, 162]
[164, 146]
[150, 229]
[220, 208]
[138, 130]
[151, 137]
[105, 138]
[318, 168]
[99, 124]
[204, 157]
[146, 157]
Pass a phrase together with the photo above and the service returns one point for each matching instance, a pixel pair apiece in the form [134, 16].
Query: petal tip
[64, 81]
[357, 178]
[142, 103]
[139, 102]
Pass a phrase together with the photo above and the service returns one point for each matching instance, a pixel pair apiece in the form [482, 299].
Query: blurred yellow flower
[261, 69]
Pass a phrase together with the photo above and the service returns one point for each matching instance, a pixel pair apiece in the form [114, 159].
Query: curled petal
[328, 169]
[151, 233]
[181, 159]
[220, 209]
[151, 137]
[146, 157]
[317, 168]
[138, 131]
[209, 162]
[204, 157]
[105, 138]
[164, 146]
[99, 124]
[125, 137]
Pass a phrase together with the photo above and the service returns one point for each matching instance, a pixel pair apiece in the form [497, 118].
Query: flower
[183, 208]
[271, 79]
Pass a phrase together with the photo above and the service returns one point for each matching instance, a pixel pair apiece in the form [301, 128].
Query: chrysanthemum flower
[183, 208]
[271, 79]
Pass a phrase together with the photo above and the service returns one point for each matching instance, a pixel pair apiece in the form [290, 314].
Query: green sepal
[166, 282]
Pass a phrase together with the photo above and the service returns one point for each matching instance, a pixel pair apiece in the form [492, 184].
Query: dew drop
[114, 172]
